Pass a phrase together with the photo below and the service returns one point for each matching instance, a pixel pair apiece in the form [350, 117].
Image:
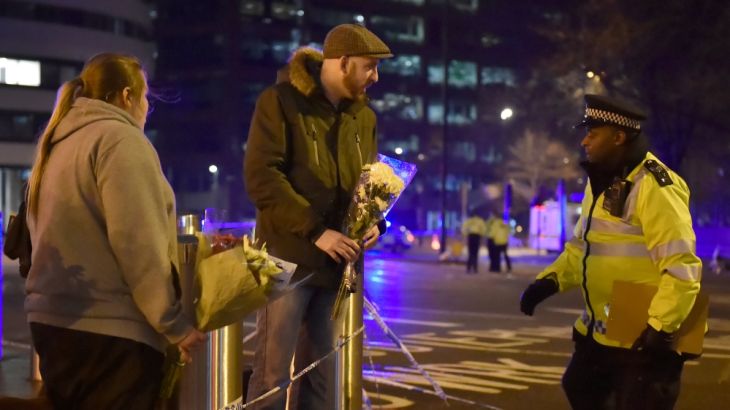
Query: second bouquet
[379, 187]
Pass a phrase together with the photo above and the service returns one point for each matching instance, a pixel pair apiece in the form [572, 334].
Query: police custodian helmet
[602, 110]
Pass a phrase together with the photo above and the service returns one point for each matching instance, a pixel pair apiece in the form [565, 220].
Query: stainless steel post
[225, 354]
[192, 390]
[348, 393]
[35, 366]
[213, 379]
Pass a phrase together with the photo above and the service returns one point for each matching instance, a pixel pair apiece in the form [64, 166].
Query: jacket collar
[302, 73]
[602, 176]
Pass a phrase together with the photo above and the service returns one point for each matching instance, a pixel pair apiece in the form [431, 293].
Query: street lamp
[213, 169]
[398, 150]
[506, 113]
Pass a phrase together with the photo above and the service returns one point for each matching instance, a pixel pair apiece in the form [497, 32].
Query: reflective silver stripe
[619, 249]
[685, 272]
[600, 327]
[577, 243]
[602, 225]
[675, 247]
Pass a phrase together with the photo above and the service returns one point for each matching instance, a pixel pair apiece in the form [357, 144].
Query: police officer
[472, 230]
[635, 226]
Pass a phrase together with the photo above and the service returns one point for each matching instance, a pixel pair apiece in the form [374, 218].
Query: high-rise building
[218, 55]
[44, 43]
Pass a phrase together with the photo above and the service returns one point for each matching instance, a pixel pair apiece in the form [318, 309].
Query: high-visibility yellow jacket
[651, 243]
[474, 225]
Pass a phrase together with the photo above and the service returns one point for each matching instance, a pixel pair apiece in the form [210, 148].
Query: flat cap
[354, 40]
[603, 110]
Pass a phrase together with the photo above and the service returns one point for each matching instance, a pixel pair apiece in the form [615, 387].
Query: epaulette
[660, 173]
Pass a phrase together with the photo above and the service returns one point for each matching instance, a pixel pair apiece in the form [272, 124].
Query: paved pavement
[466, 331]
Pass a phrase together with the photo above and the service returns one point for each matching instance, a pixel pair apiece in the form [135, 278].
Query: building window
[411, 2]
[404, 65]
[404, 29]
[252, 7]
[498, 75]
[462, 74]
[402, 106]
[460, 113]
[464, 151]
[21, 127]
[20, 72]
[469, 6]
[286, 10]
[47, 13]
[331, 18]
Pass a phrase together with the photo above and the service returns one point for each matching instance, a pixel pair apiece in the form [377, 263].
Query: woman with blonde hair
[102, 295]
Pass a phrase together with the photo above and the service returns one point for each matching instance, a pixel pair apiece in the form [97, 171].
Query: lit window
[498, 75]
[286, 10]
[402, 106]
[460, 113]
[404, 65]
[252, 7]
[462, 74]
[470, 6]
[405, 29]
[20, 72]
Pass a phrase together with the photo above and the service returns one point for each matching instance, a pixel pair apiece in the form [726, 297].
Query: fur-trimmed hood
[303, 70]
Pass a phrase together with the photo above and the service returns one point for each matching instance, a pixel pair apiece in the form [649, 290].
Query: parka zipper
[585, 266]
[315, 145]
[359, 151]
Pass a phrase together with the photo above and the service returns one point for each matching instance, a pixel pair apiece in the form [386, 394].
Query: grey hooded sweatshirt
[104, 240]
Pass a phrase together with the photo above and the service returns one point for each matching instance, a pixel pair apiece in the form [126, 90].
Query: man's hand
[538, 291]
[192, 340]
[371, 237]
[338, 246]
[654, 341]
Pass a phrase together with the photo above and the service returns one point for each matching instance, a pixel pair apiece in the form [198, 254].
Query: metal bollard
[35, 366]
[213, 379]
[348, 365]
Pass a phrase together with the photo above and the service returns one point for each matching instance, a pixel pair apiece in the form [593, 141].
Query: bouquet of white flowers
[377, 190]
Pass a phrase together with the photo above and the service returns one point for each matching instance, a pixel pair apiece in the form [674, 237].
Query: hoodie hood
[85, 111]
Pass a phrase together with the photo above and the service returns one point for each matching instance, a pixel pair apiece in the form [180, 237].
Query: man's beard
[350, 83]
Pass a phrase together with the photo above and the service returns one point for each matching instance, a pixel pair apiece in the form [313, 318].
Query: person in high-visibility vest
[500, 235]
[635, 226]
[472, 230]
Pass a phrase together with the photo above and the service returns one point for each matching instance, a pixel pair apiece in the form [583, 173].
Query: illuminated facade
[44, 43]
[219, 55]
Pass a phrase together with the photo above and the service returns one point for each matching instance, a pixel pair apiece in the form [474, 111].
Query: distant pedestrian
[473, 229]
[491, 247]
[500, 235]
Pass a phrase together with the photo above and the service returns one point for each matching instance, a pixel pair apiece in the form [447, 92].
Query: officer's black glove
[538, 291]
[654, 341]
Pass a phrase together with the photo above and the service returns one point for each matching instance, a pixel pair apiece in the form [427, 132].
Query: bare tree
[535, 160]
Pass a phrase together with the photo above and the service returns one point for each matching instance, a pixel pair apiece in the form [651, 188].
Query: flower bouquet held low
[377, 190]
[232, 279]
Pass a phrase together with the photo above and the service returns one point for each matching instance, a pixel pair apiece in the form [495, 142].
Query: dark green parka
[303, 159]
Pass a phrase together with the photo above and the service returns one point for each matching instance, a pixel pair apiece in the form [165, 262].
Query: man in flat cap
[635, 227]
[310, 136]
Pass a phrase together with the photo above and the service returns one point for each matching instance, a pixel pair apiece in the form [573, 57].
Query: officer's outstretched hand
[538, 291]
[654, 341]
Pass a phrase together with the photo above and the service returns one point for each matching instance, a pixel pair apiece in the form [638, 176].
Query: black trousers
[496, 263]
[83, 370]
[473, 243]
[607, 378]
